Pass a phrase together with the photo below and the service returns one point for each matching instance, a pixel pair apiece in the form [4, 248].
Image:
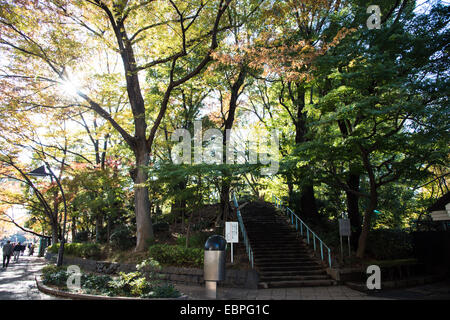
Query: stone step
[264, 278]
[289, 268]
[263, 230]
[282, 241]
[296, 284]
[277, 250]
[275, 236]
[320, 275]
[282, 256]
[262, 260]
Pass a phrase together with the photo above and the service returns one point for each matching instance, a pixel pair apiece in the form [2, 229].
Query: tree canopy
[357, 118]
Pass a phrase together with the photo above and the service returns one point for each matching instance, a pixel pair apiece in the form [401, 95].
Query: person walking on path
[17, 250]
[7, 252]
[31, 249]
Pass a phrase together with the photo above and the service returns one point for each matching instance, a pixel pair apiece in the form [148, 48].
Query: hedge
[176, 255]
[82, 250]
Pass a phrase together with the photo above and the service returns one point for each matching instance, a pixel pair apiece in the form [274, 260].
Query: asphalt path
[17, 281]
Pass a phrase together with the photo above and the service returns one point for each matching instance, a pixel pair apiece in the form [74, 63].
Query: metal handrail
[243, 231]
[278, 203]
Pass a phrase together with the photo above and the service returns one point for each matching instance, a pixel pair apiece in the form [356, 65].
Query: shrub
[132, 284]
[83, 250]
[161, 227]
[81, 236]
[385, 244]
[122, 238]
[53, 275]
[196, 240]
[165, 290]
[93, 283]
[148, 264]
[179, 256]
[51, 268]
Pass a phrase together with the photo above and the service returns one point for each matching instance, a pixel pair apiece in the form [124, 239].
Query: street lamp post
[40, 172]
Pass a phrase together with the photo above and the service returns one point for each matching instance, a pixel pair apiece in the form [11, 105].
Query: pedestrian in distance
[7, 252]
[31, 249]
[22, 249]
[17, 250]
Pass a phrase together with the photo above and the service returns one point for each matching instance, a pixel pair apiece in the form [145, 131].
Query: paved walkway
[432, 291]
[306, 293]
[17, 281]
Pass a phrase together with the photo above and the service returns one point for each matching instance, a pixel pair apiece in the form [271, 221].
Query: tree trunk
[55, 231]
[108, 229]
[353, 209]
[290, 191]
[308, 202]
[226, 184]
[98, 227]
[372, 205]
[74, 228]
[144, 229]
[225, 200]
[307, 198]
[362, 241]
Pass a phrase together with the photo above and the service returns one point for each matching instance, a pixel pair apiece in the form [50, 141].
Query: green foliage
[132, 284]
[129, 284]
[386, 244]
[196, 240]
[161, 227]
[51, 268]
[82, 250]
[179, 256]
[98, 193]
[122, 238]
[53, 275]
[82, 236]
[165, 290]
[93, 283]
[378, 110]
[149, 263]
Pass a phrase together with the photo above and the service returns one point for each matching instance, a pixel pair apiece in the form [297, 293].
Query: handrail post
[321, 250]
[329, 258]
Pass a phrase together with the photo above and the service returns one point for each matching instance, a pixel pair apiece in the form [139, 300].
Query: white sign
[232, 232]
[344, 228]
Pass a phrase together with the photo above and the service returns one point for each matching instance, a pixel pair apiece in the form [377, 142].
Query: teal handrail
[299, 223]
[243, 231]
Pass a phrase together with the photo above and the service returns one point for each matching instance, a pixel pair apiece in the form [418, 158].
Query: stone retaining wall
[233, 278]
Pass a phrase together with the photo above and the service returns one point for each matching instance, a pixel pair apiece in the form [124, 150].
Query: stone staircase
[281, 257]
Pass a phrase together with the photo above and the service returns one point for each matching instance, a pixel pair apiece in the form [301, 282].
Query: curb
[81, 296]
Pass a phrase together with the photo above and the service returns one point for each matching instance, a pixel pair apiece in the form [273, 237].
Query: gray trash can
[214, 263]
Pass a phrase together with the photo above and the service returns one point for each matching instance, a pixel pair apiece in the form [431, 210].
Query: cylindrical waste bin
[214, 263]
